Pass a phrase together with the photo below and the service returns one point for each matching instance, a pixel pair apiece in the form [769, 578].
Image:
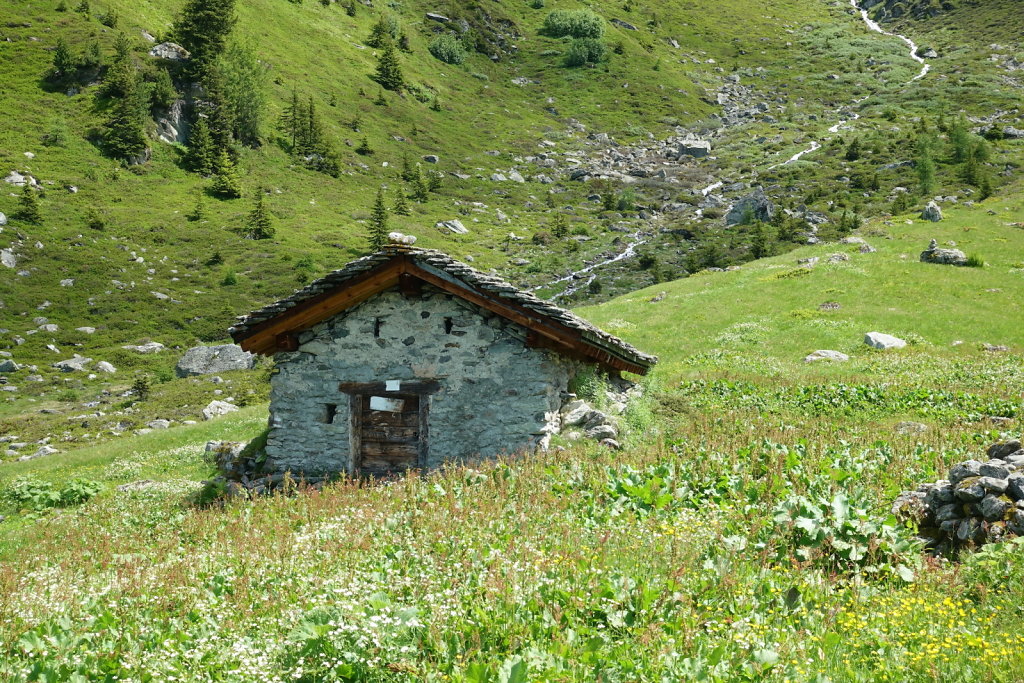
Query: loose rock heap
[243, 472]
[980, 502]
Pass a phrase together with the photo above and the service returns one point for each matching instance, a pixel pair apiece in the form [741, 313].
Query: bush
[975, 261]
[581, 23]
[584, 51]
[448, 49]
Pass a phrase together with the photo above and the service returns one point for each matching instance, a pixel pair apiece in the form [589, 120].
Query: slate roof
[490, 284]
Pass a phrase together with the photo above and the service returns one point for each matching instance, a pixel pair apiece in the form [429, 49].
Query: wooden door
[390, 434]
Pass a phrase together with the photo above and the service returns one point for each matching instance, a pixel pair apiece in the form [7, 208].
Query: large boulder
[210, 360]
[694, 148]
[76, 363]
[218, 408]
[880, 340]
[172, 52]
[755, 205]
[8, 365]
[948, 257]
[932, 212]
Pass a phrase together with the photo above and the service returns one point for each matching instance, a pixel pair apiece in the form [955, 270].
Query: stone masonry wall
[497, 395]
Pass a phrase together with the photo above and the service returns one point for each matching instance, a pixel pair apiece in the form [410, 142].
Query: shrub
[32, 494]
[448, 49]
[581, 23]
[975, 261]
[584, 51]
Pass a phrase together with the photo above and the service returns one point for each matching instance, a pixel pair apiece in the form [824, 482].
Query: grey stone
[880, 340]
[440, 18]
[3, 218]
[172, 52]
[941, 494]
[76, 363]
[946, 257]
[624, 24]
[993, 508]
[995, 468]
[516, 177]
[43, 451]
[8, 258]
[218, 408]
[104, 366]
[755, 205]
[8, 365]
[209, 360]
[932, 212]
[961, 471]
[908, 427]
[454, 225]
[148, 347]
[948, 512]
[159, 424]
[1000, 450]
[694, 148]
[1015, 486]
[575, 413]
[604, 431]
[970, 490]
[1011, 133]
[992, 484]
[431, 158]
[86, 330]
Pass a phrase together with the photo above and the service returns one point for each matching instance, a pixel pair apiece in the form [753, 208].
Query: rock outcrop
[932, 212]
[755, 205]
[880, 340]
[211, 360]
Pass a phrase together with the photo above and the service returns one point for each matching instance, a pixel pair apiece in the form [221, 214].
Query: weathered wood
[287, 342]
[410, 286]
[261, 338]
[380, 388]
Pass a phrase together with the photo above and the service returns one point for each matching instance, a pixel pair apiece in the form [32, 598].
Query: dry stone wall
[496, 395]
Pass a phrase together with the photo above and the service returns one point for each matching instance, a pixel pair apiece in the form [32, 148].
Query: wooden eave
[279, 333]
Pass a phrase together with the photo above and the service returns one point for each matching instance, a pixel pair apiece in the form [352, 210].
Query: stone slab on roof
[484, 282]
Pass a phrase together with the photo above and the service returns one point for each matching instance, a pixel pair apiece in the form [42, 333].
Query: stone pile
[980, 502]
[946, 257]
[245, 474]
[578, 418]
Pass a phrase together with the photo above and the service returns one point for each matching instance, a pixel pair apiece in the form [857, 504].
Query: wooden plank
[416, 386]
[421, 455]
[355, 433]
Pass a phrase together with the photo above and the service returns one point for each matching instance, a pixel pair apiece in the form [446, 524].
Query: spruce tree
[559, 226]
[984, 186]
[853, 151]
[220, 115]
[258, 225]
[401, 207]
[434, 180]
[378, 236]
[383, 32]
[124, 134]
[199, 210]
[290, 119]
[121, 78]
[419, 187]
[960, 139]
[28, 205]
[202, 29]
[226, 183]
[201, 156]
[64, 61]
[389, 72]
[408, 174]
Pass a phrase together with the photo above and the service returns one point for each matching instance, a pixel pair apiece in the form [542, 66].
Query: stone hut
[409, 359]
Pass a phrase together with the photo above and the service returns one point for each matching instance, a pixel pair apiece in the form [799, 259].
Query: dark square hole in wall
[330, 411]
[448, 325]
[376, 327]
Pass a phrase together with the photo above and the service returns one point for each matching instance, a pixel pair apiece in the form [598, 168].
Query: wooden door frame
[359, 392]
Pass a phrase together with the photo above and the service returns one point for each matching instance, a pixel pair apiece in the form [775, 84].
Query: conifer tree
[28, 205]
[378, 236]
[201, 156]
[384, 31]
[220, 115]
[258, 225]
[419, 187]
[389, 71]
[202, 28]
[199, 210]
[853, 151]
[64, 61]
[559, 227]
[761, 241]
[434, 180]
[290, 119]
[925, 173]
[401, 207]
[960, 139]
[124, 134]
[226, 182]
[121, 77]
[984, 186]
[408, 174]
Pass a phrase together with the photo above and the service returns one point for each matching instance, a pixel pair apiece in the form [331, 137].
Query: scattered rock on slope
[217, 408]
[210, 360]
[826, 354]
[755, 205]
[880, 340]
[932, 212]
[949, 257]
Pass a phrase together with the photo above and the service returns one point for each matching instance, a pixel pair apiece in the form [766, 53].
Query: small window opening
[448, 325]
[330, 411]
[376, 327]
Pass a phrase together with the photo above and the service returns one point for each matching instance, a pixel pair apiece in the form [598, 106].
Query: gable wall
[497, 395]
